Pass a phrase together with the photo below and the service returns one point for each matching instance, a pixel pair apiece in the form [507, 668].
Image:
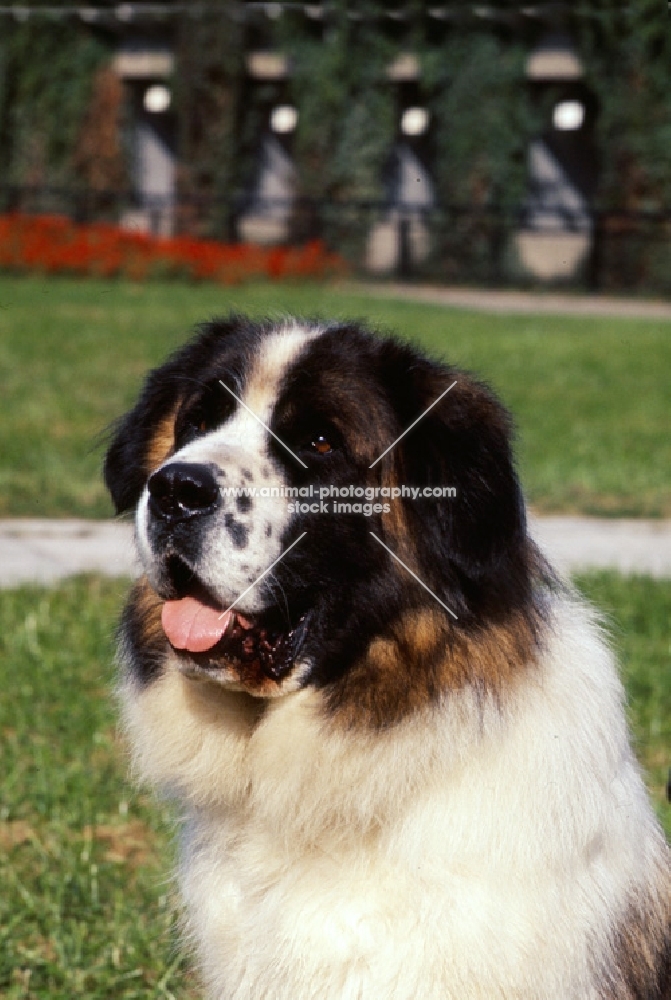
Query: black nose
[182, 490]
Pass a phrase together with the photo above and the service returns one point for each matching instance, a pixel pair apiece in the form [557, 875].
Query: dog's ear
[144, 437]
[473, 544]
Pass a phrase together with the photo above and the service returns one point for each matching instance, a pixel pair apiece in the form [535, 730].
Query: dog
[397, 740]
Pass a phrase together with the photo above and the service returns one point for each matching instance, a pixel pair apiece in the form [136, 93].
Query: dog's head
[265, 572]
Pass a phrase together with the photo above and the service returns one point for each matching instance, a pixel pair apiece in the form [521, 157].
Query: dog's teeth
[259, 649]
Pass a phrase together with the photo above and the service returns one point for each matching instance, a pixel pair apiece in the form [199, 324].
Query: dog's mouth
[216, 640]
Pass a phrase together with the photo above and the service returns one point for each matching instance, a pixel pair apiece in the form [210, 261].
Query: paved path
[511, 301]
[46, 551]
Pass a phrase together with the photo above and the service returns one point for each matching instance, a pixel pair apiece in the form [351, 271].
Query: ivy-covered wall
[483, 122]
[48, 75]
[626, 50]
[212, 121]
[346, 115]
[62, 112]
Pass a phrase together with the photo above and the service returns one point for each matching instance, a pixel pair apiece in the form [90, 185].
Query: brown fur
[397, 533]
[354, 409]
[642, 948]
[162, 442]
[146, 607]
[424, 658]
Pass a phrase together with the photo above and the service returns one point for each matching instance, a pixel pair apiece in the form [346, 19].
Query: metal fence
[494, 245]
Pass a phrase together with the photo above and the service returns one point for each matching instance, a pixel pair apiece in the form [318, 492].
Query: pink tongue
[191, 625]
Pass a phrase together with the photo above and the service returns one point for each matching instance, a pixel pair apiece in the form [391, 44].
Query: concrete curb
[41, 551]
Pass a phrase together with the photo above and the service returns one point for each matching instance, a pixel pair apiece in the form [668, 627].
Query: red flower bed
[52, 244]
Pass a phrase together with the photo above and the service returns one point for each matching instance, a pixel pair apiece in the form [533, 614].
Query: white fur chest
[337, 923]
[462, 857]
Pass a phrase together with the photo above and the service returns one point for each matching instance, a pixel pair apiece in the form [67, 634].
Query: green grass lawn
[591, 397]
[86, 907]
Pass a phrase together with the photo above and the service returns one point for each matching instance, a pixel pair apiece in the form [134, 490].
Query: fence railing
[605, 249]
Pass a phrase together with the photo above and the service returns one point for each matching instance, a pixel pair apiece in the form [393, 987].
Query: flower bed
[53, 244]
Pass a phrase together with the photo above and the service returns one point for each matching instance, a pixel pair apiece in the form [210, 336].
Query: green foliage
[46, 75]
[472, 81]
[482, 125]
[208, 91]
[346, 113]
[346, 119]
[626, 50]
[482, 119]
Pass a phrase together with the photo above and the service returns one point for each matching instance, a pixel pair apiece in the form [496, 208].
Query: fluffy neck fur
[500, 838]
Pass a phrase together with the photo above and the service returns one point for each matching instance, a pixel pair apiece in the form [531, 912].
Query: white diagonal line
[413, 424]
[420, 582]
[281, 556]
[286, 446]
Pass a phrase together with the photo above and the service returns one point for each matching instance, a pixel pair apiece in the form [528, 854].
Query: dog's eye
[206, 414]
[194, 424]
[321, 445]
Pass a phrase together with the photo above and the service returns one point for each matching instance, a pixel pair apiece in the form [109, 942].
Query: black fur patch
[238, 532]
[472, 551]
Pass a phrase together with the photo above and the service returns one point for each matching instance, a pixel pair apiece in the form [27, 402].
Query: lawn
[87, 909]
[591, 397]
